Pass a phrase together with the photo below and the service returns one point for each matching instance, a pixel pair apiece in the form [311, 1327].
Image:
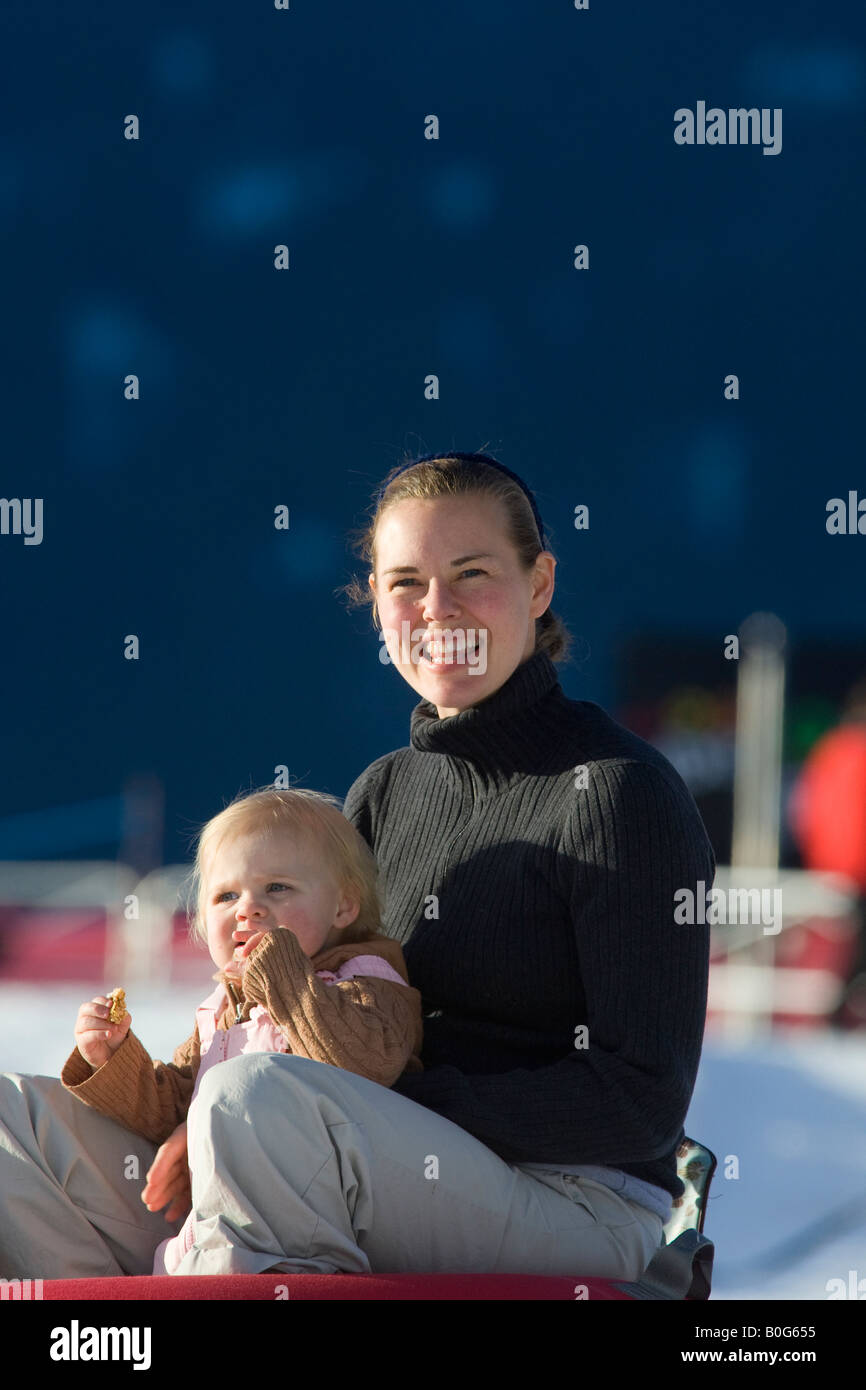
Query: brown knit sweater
[365, 1025]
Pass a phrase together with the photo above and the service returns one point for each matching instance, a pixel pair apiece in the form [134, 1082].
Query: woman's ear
[542, 584]
[372, 583]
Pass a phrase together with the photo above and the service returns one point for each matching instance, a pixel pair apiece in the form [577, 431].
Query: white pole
[758, 786]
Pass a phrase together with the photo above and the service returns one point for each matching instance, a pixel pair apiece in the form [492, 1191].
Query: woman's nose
[439, 601]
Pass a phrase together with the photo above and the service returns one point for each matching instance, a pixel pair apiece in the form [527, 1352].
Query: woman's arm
[624, 1095]
[365, 1025]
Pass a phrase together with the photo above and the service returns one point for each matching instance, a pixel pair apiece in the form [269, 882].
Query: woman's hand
[95, 1037]
[168, 1178]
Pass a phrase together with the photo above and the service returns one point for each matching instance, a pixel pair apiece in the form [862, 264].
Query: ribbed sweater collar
[517, 729]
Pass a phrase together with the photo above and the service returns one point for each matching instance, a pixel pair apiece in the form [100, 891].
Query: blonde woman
[530, 850]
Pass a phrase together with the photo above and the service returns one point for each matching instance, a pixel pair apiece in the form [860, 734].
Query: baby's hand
[96, 1038]
[244, 949]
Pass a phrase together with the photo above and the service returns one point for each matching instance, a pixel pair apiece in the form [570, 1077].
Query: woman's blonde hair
[315, 818]
[447, 476]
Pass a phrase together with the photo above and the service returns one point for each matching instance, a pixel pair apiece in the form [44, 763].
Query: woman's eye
[398, 582]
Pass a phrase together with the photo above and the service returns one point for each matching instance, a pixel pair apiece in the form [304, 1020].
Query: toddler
[286, 899]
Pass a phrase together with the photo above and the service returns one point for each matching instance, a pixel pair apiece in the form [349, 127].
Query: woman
[530, 850]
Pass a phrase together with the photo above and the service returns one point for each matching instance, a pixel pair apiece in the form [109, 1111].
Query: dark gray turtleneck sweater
[529, 904]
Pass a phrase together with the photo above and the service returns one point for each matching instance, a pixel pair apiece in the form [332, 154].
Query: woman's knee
[253, 1076]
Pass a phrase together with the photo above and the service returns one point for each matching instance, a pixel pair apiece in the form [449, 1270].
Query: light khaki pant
[70, 1188]
[302, 1167]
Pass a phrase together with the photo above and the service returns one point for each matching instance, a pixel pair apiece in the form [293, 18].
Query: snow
[792, 1110]
[785, 1117]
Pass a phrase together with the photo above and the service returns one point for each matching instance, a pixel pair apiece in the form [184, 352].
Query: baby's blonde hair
[312, 816]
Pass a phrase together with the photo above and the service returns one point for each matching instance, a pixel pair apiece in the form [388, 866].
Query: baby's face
[264, 883]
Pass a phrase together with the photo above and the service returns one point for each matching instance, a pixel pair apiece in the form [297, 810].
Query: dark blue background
[408, 257]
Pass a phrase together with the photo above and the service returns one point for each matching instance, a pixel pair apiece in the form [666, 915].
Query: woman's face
[458, 574]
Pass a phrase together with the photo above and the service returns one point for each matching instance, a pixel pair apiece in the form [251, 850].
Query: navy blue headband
[473, 458]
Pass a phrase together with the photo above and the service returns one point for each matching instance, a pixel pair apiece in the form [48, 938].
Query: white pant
[307, 1168]
[301, 1166]
[70, 1188]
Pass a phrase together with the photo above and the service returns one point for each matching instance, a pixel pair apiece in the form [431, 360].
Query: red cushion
[383, 1287]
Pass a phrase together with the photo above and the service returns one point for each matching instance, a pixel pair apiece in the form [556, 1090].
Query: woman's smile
[445, 577]
[442, 651]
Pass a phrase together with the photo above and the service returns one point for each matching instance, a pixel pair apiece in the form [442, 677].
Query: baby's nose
[249, 907]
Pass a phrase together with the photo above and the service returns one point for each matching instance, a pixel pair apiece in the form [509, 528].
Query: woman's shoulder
[631, 786]
[605, 740]
[371, 785]
[623, 768]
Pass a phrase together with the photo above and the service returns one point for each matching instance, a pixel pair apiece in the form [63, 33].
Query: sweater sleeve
[621, 1093]
[365, 1025]
[150, 1098]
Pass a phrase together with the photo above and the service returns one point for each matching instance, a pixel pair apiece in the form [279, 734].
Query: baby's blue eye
[230, 893]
